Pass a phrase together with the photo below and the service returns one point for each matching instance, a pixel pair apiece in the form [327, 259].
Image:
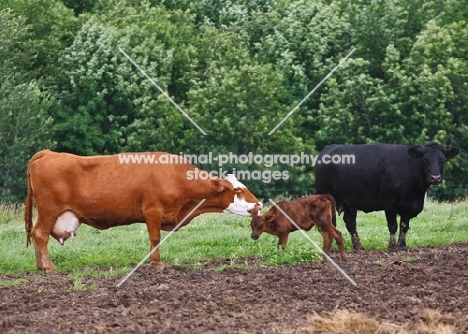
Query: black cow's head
[433, 156]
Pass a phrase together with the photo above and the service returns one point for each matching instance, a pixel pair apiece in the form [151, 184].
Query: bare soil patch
[394, 288]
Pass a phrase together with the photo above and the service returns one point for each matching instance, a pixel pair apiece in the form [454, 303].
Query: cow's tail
[28, 206]
[333, 207]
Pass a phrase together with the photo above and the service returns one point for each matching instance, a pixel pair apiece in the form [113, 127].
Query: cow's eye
[425, 161]
[442, 160]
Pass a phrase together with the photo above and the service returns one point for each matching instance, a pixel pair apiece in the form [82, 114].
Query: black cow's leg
[392, 228]
[349, 218]
[404, 227]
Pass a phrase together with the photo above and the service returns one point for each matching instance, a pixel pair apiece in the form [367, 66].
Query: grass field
[117, 250]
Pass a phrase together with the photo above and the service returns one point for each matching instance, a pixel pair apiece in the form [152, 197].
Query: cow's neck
[209, 205]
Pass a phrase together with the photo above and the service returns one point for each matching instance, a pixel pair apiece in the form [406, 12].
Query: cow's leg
[392, 228]
[404, 227]
[40, 235]
[153, 224]
[349, 218]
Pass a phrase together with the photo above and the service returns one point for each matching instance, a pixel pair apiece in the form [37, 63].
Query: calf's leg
[282, 240]
[331, 232]
[327, 240]
[339, 241]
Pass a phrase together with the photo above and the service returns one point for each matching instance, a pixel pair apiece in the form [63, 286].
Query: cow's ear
[218, 184]
[452, 153]
[415, 152]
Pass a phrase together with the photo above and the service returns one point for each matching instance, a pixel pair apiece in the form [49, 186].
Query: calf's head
[433, 157]
[235, 197]
[260, 224]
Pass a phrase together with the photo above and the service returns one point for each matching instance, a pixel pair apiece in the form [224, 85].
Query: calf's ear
[452, 153]
[270, 218]
[415, 152]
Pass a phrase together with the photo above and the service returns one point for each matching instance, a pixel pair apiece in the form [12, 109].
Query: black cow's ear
[452, 153]
[415, 152]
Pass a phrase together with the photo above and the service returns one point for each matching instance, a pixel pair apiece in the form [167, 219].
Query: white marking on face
[234, 181]
[240, 207]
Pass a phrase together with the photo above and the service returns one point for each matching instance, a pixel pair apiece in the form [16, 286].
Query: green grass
[7, 283]
[117, 250]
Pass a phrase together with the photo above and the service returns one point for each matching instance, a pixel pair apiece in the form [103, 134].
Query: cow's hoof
[158, 267]
[402, 248]
[356, 243]
[392, 248]
[358, 248]
[51, 271]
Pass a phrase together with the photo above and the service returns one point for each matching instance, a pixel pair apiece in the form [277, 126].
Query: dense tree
[24, 124]
[106, 105]
[51, 26]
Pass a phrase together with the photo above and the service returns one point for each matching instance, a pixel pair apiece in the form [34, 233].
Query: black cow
[393, 178]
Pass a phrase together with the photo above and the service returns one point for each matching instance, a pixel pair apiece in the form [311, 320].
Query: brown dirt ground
[392, 287]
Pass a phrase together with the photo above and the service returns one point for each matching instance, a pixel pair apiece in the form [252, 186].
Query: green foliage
[80, 6]
[10, 212]
[51, 27]
[24, 124]
[106, 104]
[7, 283]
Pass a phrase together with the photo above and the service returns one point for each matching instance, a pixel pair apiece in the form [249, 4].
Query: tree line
[237, 68]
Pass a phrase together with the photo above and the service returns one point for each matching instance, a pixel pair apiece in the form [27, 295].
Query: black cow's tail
[28, 205]
[333, 204]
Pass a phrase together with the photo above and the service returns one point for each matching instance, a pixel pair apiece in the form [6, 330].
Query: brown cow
[315, 210]
[107, 191]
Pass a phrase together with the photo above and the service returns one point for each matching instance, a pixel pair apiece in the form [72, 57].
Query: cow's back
[102, 188]
[381, 176]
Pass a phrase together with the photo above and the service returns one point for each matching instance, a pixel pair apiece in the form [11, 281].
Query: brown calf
[315, 210]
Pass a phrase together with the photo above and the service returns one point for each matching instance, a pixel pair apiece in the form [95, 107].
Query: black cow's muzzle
[436, 179]
[254, 236]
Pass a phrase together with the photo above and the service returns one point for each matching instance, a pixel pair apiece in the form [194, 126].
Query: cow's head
[260, 224]
[236, 197]
[433, 157]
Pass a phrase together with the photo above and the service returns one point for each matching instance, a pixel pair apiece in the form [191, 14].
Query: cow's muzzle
[254, 236]
[436, 179]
